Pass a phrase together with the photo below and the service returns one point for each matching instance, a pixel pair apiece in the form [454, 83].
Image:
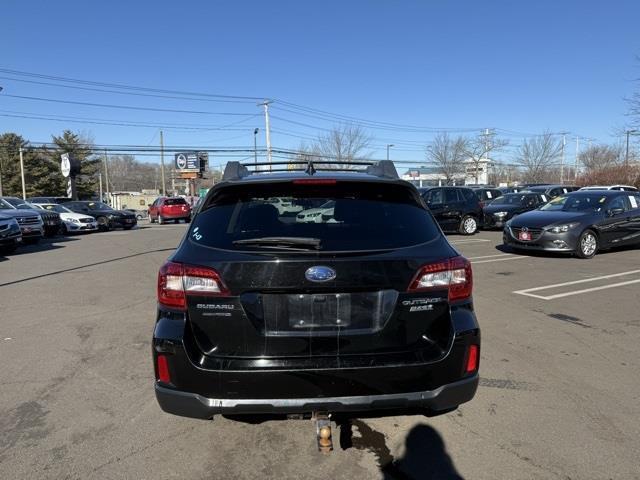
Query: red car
[169, 208]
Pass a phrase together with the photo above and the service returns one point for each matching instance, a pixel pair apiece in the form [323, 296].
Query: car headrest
[259, 218]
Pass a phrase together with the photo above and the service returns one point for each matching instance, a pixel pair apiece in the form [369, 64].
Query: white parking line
[492, 256]
[514, 257]
[471, 240]
[527, 292]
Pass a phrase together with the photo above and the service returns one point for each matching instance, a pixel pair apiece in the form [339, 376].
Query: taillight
[453, 274]
[176, 281]
[163, 369]
[472, 359]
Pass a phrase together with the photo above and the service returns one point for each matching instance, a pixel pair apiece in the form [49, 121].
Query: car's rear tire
[128, 227]
[468, 225]
[151, 220]
[31, 240]
[587, 245]
[161, 221]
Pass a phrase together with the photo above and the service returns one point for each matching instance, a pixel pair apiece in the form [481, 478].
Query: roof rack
[382, 168]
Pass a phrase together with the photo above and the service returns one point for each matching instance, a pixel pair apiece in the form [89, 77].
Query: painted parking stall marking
[469, 240]
[502, 257]
[529, 292]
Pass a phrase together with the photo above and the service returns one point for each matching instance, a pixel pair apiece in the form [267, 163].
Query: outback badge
[320, 274]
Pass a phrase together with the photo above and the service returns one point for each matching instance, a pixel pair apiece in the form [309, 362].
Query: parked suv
[456, 209]
[551, 191]
[486, 195]
[169, 208]
[31, 225]
[10, 236]
[51, 220]
[367, 311]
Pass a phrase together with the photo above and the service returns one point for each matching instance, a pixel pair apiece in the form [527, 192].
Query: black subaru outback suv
[367, 310]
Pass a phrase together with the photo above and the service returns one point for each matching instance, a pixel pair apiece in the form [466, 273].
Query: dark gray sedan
[580, 223]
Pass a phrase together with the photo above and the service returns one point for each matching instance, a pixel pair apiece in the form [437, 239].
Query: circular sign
[181, 161]
[65, 165]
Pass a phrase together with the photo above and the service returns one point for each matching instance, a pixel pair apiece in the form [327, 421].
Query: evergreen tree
[38, 171]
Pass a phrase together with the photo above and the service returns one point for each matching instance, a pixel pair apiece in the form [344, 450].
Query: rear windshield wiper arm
[299, 242]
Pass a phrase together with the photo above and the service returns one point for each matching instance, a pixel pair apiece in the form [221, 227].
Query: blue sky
[522, 67]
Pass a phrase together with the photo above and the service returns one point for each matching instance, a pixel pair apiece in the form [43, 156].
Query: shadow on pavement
[51, 243]
[425, 457]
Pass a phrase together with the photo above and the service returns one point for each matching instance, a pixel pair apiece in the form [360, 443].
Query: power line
[125, 107]
[124, 86]
[122, 123]
[138, 94]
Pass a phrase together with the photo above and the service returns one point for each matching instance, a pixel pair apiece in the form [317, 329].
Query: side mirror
[615, 211]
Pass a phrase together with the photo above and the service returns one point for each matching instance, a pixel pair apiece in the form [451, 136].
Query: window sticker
[544, 197]
[634, 203]
[489, 195]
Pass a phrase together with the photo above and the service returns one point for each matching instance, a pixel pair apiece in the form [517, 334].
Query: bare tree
[481, 147]
[537, 156]
[448, 155]
[598, 157]
[345, 143]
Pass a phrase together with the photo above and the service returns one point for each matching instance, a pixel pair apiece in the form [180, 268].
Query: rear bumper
[201, 386]
[175, 216]
[193, 405]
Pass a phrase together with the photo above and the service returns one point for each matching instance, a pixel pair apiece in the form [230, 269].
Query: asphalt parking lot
[559, 394]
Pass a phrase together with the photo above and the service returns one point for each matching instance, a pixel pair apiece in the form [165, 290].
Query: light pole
[389, 145]
[626, 155]
[255, 145]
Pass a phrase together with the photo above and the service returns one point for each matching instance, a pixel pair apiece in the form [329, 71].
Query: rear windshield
[345, 216]
[175, 201]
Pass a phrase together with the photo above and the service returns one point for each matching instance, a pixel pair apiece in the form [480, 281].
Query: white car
[71, 221]
[317, 215]
[624, 188]
[284, 205]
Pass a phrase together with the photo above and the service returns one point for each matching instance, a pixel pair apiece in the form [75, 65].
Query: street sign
[187, 162]
[65, 165]
[187, 175]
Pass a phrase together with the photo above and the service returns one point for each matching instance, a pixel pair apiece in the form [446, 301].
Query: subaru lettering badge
[320, 274]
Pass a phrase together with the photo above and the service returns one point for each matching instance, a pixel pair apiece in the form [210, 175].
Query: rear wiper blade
[299, 242]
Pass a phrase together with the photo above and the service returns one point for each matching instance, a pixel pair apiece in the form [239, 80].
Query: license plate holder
[330, 310]
[524, 236]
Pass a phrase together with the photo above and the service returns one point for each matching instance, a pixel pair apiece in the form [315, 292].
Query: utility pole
[106, 175]
[100, 184]
[265, 104]
[24, 190]
[575, 174]
[626, 155]
[255, 145]
[164, 189]
[564, 144]
[389, 145]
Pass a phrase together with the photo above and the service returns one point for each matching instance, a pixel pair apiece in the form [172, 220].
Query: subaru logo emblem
[320, 274]
[525, 229]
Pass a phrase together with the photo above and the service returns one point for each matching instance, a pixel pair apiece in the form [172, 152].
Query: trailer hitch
[322, 421]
